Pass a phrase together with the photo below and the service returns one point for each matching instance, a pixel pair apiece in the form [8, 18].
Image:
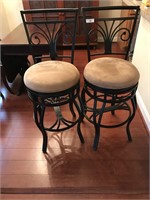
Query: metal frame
[49, 30]
[55, 28]
[108, 28]
[98, 101]
[42, 101]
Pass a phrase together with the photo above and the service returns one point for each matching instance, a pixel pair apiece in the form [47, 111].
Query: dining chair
[53, 82]
[110, 79]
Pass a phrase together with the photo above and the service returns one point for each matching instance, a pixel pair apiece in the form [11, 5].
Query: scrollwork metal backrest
[51, 34]
[107, 33]
[103, 31]
[55, 28]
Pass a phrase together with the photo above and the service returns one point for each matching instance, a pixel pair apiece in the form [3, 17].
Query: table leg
[11, 66]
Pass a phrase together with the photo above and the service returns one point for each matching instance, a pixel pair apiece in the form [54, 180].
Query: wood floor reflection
[118, 168]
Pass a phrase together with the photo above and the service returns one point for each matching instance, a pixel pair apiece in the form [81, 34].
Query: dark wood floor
[118, 168]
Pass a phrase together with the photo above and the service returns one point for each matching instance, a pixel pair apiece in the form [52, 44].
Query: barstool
[110, 83]
[52, 84]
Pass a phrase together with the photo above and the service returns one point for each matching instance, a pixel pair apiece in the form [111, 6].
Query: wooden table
[15, 42]
[14, 55]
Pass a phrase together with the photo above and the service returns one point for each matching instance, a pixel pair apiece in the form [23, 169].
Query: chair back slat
[112, 32]
[51, 31]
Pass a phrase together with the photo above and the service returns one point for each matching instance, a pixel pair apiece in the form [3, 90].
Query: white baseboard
[144, 111]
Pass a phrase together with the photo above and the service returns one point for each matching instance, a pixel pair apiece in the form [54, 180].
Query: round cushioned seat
[51, 76]
[111, 73]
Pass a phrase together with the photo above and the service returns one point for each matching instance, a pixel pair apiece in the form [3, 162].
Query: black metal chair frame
[110, 99]
[52, 29]
[71, 96]
[56, 100]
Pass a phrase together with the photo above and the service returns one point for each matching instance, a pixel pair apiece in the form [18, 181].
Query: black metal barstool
[53, 85]
[110, 83]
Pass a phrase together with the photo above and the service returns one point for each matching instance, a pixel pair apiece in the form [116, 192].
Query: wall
[110, 2]
[4, 27]
[10, 15]
[141, 59]
[106, 14]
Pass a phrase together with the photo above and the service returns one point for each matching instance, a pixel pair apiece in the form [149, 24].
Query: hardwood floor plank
[118, 169]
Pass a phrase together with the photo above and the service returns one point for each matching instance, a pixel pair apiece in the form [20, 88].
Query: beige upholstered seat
[111, 73]
[51, 76]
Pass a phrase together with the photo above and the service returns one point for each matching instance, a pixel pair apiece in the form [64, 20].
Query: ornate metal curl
[56, 100]
[68, 37]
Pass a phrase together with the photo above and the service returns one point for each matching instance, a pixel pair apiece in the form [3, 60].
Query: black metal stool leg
[80, 111]
[134, 108]
[97, 118]
[44, 133]
[72, 110]
[82, 114]
[38, 117]
[112, 104]
[45, 141]
[83, 101]
[97, 137]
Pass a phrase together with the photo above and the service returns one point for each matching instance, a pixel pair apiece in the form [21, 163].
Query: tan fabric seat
[51, 76]
[111, 73]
